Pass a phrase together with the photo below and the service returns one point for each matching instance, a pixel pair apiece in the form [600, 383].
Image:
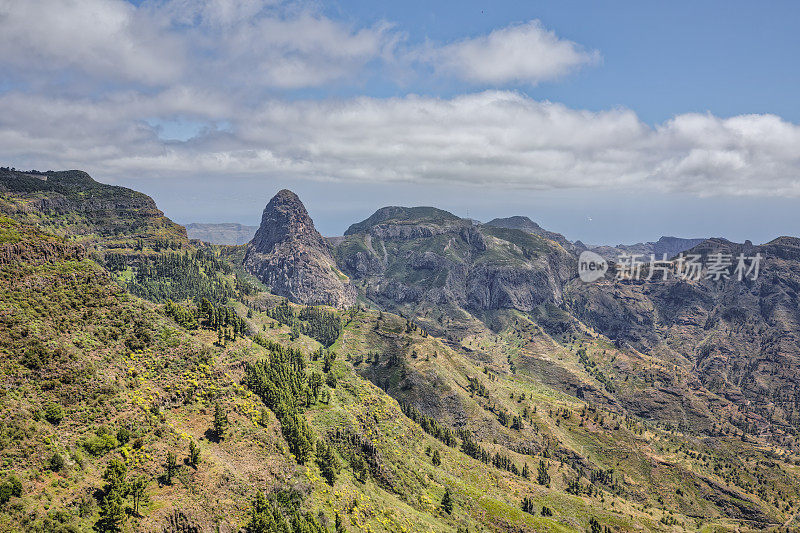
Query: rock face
[740, 339]
[290, 256]
[417, 257]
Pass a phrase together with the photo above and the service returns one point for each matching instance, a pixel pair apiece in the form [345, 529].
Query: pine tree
[112, 510]
[526, 473]
[112, 514]
[527, 505]
[315, 383]
[194, 453]
[436, 459]
[340, 524]
[172, 465]
[447, 502]
[220, 421]
[542, 477]
[138, 486]
[114, 476]
[330, 357]
[328, 462]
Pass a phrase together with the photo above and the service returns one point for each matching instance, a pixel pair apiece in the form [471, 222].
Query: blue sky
[608, 121]
[659, 58]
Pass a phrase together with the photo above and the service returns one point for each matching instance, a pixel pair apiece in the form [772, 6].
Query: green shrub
[11, 486]
[100, 444]
[56, 462]
[54, 413]
[123, 435]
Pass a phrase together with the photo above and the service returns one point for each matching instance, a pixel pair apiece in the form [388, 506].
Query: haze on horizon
[607, 125]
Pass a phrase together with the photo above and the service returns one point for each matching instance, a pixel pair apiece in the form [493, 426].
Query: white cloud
[495, 138]
[209, 62]
[252, 45]
[240, 43]
[109, 39]
[520, 53]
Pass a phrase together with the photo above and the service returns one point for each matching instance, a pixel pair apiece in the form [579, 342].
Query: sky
[610, 122]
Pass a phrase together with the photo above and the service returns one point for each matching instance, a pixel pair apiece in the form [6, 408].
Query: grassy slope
[72, 337]
[664, 474]
[160, 382]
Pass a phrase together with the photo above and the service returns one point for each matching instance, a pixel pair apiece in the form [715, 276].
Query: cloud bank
[496, 138]
[88, 83]
[255, 44]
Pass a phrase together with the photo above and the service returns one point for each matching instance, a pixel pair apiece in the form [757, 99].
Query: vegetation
[315, 322]
[280, 382]
[312, 419]
[220, 421]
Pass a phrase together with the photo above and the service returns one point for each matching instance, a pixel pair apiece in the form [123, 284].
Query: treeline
[431, 426]
[363, 456]
[315, 322]
[281, 513]
[471, 447]
[468, 443]
[281, 383]
[179, 277]
[279, 380]
[222, 319]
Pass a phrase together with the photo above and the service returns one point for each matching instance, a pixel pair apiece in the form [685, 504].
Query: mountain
[400, 216]
[427, 262]
[103, 217]
[739, 340]
[121, 229]
[529, 226]
[477, 385]
[290, 256]
[699, 338]
[671, 246]
[224, 233]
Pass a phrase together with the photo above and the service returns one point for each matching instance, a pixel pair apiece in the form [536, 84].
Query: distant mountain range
[447, 272]
[230, 233]
[224, 233]
[669, 246]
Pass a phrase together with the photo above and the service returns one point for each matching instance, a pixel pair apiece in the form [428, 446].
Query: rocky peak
[285, 219]
[289, 255]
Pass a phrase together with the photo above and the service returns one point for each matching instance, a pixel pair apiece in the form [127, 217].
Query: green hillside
[196, 410]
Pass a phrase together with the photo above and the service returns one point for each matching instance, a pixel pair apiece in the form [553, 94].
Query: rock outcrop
[289, 255]
[420, 256]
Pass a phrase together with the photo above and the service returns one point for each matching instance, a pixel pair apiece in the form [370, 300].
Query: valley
[423, 372]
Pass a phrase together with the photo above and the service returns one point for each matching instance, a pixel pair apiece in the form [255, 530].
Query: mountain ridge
[473, 367]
